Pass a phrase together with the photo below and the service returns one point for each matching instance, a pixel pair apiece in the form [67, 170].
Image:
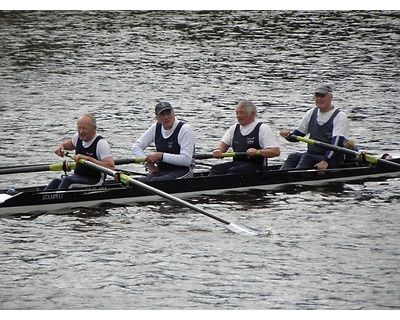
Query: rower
[90, 146]
[175, 147]
[249, 136]
[324, 123]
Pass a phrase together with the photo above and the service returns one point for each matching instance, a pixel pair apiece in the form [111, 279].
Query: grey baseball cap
[325, 88]
[162, 106]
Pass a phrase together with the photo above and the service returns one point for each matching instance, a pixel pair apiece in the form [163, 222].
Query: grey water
[329, 248]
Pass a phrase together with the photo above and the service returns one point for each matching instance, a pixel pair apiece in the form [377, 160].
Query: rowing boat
[35, 200]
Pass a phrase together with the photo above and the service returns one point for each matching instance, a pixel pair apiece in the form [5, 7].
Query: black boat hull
[33, 200]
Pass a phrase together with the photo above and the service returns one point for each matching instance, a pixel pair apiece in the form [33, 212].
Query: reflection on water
[329, 248]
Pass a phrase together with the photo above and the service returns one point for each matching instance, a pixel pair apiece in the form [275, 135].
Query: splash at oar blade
[247, 231]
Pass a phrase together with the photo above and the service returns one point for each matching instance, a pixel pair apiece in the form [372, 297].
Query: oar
[71, 165]
[66, 166]
[359, 155]
[234, 227]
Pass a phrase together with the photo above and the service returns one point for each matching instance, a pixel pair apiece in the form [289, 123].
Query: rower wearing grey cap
[175, 146]
[324, 123]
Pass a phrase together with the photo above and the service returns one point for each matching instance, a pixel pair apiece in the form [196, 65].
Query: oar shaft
[24, 169]
[70, 165]
[128, 180]
[40, 167]
[357, 155]
[128, 160]
[234, 227]
[224, 155]
[172, 198]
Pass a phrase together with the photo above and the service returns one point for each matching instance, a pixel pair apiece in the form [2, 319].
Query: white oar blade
[247, 231]
[4, 197]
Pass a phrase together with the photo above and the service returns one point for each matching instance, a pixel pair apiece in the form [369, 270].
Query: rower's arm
[67, 145]
[287, 135]
[107, 162]
[336, 141]
[270, 152]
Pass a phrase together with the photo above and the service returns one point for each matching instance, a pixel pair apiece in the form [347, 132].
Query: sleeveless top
[90, 151]
[168, 145]
[241, 143]
[320, 132]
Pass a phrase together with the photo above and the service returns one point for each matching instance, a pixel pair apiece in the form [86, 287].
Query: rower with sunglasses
[324, 123]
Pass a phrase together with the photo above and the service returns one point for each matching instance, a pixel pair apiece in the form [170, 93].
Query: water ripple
[328, 248]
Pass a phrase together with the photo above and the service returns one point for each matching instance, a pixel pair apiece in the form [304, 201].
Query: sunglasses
[320, 95]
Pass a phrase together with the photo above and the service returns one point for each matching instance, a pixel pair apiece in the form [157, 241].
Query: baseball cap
[325, 88]
[162, 106]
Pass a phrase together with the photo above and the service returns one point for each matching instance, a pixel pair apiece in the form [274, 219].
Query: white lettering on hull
[54, 196]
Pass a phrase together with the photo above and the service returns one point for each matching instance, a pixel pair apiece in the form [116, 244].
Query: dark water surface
[329, 248]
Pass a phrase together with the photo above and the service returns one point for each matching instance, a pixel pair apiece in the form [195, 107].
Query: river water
[328, 248]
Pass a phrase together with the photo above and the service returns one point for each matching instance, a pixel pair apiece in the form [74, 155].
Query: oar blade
[244, 230]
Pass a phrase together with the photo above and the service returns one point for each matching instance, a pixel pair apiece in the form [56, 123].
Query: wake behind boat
[34, 200]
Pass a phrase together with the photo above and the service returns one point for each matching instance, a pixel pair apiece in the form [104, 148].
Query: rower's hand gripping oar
[359, 155]
[121, 177]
